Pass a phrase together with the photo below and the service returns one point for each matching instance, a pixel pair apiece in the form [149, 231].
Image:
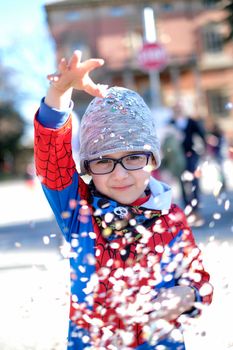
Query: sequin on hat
[121, 121]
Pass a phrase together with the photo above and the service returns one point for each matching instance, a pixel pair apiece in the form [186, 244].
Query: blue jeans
[191, 189]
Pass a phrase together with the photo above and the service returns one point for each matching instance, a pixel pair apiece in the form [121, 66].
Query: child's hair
[121, 121]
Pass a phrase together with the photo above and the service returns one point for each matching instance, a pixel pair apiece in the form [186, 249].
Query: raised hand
[75, 74]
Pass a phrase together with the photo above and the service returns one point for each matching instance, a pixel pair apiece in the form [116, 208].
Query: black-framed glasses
[105, 165]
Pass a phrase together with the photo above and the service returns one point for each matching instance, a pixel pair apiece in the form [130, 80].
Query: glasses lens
[135, 161]
[101, 166]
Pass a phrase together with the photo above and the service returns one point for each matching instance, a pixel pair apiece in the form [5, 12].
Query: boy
[135, 267]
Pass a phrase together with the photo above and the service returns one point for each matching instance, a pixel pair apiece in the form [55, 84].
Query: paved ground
[22, 202]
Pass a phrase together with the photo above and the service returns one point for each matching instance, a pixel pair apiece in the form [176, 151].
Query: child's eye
[103, 161]
[134, 157]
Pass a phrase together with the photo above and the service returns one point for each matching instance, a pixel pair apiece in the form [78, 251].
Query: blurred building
[200, 65]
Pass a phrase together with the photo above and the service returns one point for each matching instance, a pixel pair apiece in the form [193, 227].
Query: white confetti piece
[46, 240]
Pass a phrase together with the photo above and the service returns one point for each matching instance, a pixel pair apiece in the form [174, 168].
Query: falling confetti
[46, 240]
[227, 205]
[217, 216]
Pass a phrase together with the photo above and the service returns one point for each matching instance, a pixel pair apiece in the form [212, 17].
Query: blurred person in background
[215, 146]
[230, 148]
[190, 130]
[173, 162]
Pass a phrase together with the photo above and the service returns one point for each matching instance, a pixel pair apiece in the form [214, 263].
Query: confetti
[65, 214]
[46, 240]
[72, 204]
[217, 216]
[227, 205]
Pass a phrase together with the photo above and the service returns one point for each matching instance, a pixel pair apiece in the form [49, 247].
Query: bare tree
[11, 123]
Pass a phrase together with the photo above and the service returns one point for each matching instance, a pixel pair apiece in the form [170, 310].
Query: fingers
[88, 65]
[75, 59]
[53, 77]
[97, 90]
[102, 88]
[62, 67]
[76, 73]
[92, 64]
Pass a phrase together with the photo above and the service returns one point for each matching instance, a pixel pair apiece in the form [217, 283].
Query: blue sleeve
[60, 203]
[53, 118]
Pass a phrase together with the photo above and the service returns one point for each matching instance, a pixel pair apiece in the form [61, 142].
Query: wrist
[51, 117]
[58, 98]
[54, 85]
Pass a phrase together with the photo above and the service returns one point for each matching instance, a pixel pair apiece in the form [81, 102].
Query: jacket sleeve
[57, 173]
[200, 130]
[184, 258]
[194, 274]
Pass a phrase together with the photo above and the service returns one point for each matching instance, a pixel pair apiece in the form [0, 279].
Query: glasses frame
[117, 161]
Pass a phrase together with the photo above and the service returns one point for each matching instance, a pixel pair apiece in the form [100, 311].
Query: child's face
[124, 186]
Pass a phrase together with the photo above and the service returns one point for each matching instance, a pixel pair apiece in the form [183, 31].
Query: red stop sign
[152, 56]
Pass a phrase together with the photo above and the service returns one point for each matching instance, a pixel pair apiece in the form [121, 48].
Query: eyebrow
[128, 154]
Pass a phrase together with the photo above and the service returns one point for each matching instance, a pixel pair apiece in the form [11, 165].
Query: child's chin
[125, 201]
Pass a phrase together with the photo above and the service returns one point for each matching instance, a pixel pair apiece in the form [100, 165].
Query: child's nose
[120, 171]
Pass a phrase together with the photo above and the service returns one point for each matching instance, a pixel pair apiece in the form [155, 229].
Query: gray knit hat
[121, 121]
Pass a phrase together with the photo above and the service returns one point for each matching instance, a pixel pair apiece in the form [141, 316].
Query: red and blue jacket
[104, 282]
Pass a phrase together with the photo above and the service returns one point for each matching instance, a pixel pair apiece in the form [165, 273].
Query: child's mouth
[122, 188]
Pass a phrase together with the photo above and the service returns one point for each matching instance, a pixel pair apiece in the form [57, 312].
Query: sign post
[152, 57]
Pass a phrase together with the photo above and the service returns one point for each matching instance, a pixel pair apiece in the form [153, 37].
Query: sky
[27, 48]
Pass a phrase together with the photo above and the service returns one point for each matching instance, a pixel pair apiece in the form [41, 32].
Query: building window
[212, 39]
[218, 102]
[210, 3]
[74, 16]
[117, 11]
[167, 7]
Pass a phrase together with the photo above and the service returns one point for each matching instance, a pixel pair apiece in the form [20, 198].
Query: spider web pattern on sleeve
[53, 155]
